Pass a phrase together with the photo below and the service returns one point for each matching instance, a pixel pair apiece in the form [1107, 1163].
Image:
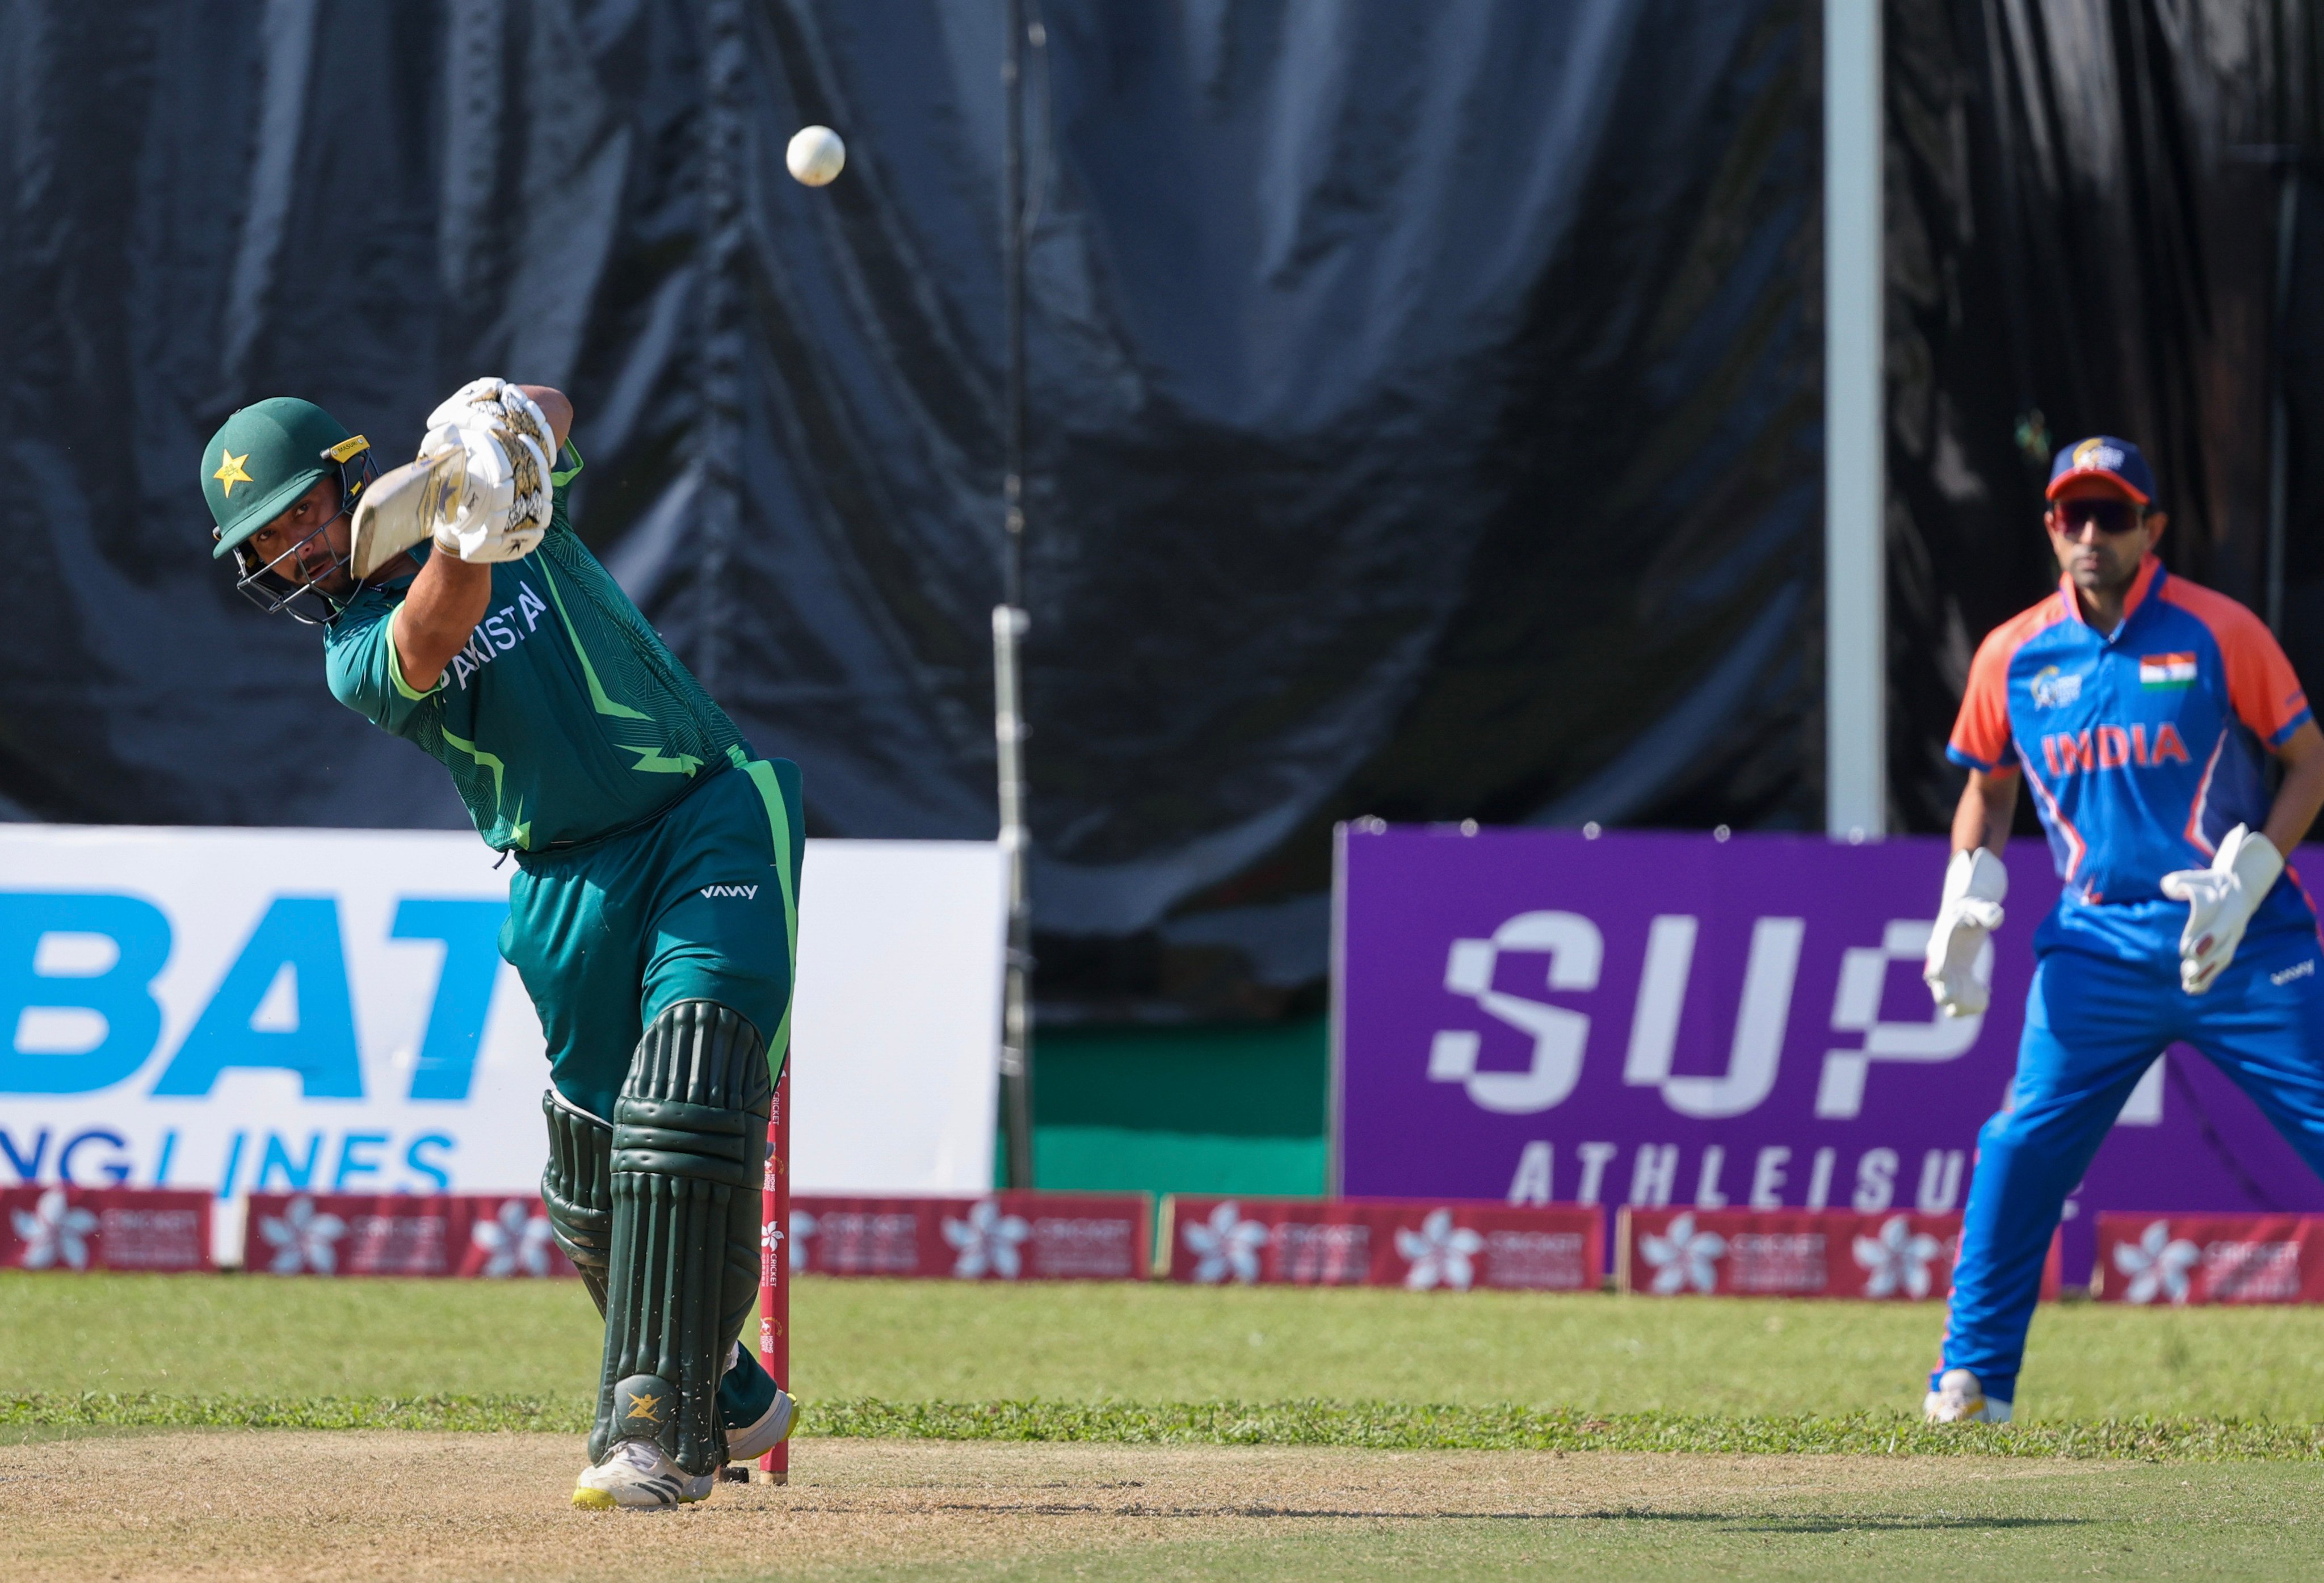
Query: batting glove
[2220, 900]
[497, 404]
[506, 508]
[1969, 911]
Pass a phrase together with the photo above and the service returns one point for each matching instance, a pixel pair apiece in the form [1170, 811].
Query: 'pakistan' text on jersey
[564, 717]
[2143, 749]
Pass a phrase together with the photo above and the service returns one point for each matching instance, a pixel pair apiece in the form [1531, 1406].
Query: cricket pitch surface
[280, 1505]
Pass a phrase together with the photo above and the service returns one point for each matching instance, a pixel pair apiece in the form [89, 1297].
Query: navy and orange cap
[2102, 455]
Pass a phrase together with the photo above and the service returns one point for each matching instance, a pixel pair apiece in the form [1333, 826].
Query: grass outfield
[887, 1349]
[1154, 1432]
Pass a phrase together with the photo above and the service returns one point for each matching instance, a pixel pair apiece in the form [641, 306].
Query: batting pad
[688, 1161]
[576, 1188]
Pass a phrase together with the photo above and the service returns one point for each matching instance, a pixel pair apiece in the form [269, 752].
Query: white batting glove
[2220, 900]
[499, 405]
[505, 506]
[1968, 911]
[493, 520]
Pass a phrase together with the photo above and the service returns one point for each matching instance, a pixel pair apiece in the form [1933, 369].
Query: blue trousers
[2093, 1025]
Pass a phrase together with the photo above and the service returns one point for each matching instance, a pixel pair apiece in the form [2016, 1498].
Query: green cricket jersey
[564, 717]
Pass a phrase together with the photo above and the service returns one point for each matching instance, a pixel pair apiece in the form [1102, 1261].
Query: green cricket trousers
[700, 903]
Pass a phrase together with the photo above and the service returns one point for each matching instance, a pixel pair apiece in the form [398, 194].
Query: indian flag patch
[2166, 669]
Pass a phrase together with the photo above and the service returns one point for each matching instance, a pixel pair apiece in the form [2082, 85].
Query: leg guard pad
[688, 1157]
[577, 1187]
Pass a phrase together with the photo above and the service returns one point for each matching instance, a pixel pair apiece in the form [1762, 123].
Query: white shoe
[638, 1475]
[773, 1428]
[1959, 1398]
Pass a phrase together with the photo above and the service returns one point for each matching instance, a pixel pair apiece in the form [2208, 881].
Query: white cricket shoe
[638, 1475]
[753, 1441]
[1959, 1398]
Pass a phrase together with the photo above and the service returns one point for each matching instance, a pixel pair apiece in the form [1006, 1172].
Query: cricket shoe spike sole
[638, 1475]
[1959, 1398]
[752, 1441]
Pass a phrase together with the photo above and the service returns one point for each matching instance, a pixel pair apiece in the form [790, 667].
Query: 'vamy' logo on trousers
[747, 893]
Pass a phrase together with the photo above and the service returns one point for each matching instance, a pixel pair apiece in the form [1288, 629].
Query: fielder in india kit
[2142, 710]
[653, 914]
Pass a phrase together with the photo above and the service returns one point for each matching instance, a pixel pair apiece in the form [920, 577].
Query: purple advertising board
[1650, 1018]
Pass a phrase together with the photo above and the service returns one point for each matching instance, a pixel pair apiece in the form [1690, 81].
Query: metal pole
[2279, 439]
[1010, 623]
[1856, 726]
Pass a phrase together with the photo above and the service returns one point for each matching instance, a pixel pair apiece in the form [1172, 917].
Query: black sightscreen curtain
[1425, 398]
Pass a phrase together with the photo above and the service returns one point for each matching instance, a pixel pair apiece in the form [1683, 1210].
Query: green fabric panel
[1242, 1080]
[1231, 1108]
[1072, 1158]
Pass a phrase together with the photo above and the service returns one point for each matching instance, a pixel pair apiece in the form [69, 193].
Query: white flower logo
[987, 1240]
[1440, 1255]
[803, 1227]
[515, 1239]
[1897, 1259]
[1226, 1245]
[302, 1239]
[770, 1242]
[1684, 1257]
[2157, 1264]
[52, 1232]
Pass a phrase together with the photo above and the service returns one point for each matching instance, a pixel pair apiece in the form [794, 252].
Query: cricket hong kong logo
[514, 1241]
[2251, 1272]
[1684, 1257]
[2053, 689]
[1440, 1253]
[1897, 1260]
[2157, 1264]
[2096, 456]
[1084, 1245]
[53, 1233]
[303, 1240]
[1226, 1245]
[987, 1243]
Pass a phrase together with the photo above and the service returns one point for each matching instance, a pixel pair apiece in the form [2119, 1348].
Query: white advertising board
[271, 1009]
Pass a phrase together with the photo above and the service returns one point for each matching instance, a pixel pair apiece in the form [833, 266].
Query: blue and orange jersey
[2141, 748]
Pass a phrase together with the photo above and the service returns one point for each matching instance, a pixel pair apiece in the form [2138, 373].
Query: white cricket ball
[816, 156]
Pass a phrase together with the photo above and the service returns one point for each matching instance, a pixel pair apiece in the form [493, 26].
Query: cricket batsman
[2143, 710]
[653, 913]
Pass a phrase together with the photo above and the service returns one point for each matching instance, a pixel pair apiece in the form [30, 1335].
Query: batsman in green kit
[654, 912]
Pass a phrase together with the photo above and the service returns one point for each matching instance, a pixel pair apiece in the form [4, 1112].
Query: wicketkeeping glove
[1969, 911]
[505, 507]
[2220, 900]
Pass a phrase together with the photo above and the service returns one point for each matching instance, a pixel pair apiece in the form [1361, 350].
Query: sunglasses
[2109, 516]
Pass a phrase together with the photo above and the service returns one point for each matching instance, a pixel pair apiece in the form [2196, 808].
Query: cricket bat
[404, 506]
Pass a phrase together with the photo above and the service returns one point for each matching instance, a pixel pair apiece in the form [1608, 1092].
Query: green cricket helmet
[256, 468]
